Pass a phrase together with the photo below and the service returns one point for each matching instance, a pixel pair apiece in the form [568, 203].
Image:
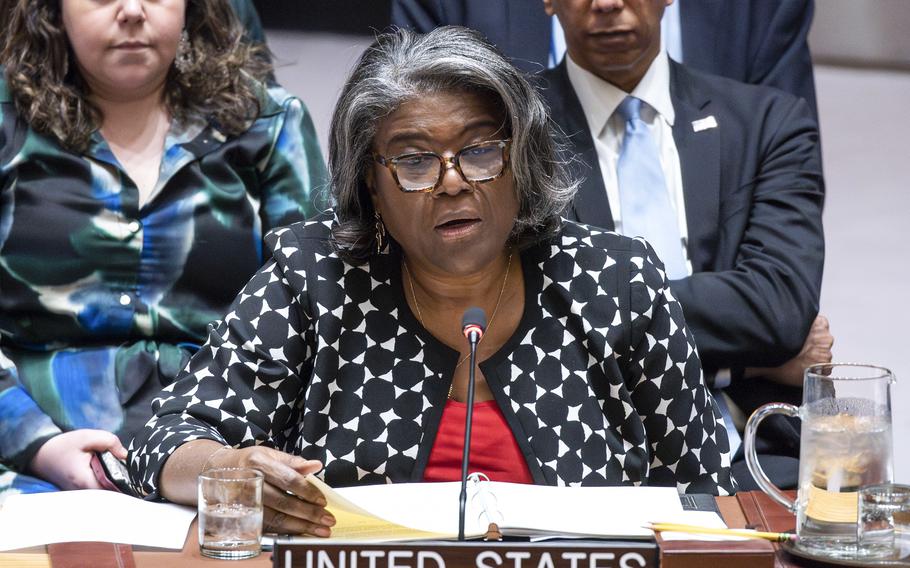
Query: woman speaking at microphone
[346, 350]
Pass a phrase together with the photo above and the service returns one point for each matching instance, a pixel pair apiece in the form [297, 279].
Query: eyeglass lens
[420, 171]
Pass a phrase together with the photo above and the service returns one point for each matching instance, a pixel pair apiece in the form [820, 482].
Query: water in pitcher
[840, 453]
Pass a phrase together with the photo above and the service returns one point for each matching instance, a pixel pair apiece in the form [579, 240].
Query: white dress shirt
[671, 31]
[599, 100]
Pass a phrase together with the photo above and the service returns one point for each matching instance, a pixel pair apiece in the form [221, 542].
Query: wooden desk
[191, 558]
[735, 515]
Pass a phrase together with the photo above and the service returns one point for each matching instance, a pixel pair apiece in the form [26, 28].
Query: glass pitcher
[846, 443]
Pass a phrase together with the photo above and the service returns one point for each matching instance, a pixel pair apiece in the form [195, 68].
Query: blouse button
[125, 299]
[134, 226]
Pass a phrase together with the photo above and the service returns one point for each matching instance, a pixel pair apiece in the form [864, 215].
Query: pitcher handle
[752, 457]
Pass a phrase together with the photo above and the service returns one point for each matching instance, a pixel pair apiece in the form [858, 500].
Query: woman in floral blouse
[141, 161]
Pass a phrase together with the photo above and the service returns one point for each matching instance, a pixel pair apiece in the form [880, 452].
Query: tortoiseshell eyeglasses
[417, 172]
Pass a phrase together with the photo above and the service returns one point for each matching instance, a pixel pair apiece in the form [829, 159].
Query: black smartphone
[111, 472]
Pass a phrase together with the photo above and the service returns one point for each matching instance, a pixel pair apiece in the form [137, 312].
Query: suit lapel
[590, 205]
[699, 159]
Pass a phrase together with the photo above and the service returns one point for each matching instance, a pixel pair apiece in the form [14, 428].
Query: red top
[494, 450]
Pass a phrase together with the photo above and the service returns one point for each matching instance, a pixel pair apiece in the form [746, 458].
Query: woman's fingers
[293, 515]
[64, 460]
[287, 472]
[305, 490]
[290, 504]
[118, 450]
[294, 506]
[98, 441]
[109, 442]
[277, 522]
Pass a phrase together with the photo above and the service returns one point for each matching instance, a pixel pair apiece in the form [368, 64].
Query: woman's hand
[290, 504]
[64, 460]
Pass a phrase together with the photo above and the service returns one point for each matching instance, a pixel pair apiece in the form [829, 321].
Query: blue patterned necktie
[644, 201]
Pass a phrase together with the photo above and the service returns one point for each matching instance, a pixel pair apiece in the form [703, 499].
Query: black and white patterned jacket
[600, 384]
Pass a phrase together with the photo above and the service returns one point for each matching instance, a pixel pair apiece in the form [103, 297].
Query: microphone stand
[473, 338]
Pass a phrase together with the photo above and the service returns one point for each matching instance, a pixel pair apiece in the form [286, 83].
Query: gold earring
[380, 232]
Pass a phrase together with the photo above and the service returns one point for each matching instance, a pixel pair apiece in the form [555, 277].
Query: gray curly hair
[401, 66]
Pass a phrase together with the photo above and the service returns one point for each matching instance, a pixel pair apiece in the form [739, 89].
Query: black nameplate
[472, 554]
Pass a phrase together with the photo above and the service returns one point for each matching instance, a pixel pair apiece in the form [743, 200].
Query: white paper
[594, 511]
[91, 515]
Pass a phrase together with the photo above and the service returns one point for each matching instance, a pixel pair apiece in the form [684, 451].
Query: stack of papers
[415, 511]
[91, 515]
[375, 513]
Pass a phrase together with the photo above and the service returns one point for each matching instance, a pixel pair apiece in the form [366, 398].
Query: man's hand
[816, 349]
[64, 459]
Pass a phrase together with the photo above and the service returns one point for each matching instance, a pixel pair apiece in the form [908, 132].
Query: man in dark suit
[762, 42]
[742, 169]
[519, 28]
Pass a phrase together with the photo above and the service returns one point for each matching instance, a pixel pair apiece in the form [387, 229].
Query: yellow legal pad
[354, 523]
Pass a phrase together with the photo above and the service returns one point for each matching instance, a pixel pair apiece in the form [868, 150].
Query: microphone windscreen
[474, 318]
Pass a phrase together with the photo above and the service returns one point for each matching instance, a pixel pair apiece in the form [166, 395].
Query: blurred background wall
[862, 54]
[862, 33]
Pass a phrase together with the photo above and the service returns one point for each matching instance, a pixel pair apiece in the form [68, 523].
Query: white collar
[599, 98]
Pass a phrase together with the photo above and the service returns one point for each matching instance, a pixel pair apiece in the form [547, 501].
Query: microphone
[473, 324]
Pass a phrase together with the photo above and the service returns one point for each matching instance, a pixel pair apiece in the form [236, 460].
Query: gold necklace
[502, 290]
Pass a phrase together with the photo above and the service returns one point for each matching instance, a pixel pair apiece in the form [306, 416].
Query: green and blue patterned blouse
[102, 301]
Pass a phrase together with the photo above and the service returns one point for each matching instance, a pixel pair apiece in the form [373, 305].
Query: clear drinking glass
[230, 513]
[884, 521]
[846, 444]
